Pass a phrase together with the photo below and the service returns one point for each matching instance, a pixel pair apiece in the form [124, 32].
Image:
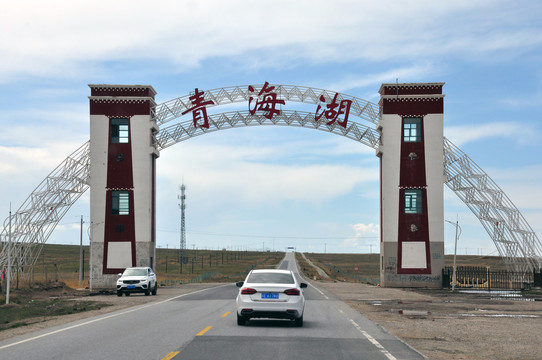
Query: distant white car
[137, 279]
[269, 293]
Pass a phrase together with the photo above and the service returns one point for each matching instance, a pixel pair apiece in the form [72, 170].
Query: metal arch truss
[515, 240]
[173, 134]
[174, 108]
[33, 223]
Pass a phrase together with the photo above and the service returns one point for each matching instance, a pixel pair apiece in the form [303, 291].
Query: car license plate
[270, 295]
[131, 286]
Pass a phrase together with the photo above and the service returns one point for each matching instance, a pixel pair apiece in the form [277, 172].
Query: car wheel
[299, 321]
[155, 288]
[119, 293]
[147, 292]
[241, 320]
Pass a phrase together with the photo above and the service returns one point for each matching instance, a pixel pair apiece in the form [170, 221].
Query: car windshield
[270, 278]
[135, 272]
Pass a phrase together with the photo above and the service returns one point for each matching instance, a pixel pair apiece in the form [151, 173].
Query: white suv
[137, 279]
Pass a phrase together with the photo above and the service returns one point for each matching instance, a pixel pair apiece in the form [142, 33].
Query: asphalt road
[202, 325]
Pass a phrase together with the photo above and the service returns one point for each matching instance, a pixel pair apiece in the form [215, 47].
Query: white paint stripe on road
[106, 317]
[300, 276]
[373, 341]
[315, 288]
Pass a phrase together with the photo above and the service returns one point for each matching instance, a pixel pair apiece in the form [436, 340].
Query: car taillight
[248, 291]
[294, 292]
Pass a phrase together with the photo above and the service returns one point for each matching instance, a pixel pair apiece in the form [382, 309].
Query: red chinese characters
[334, 110]
[199, 110]
[266, 101]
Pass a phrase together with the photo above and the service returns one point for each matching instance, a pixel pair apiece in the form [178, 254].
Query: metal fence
[485, 278]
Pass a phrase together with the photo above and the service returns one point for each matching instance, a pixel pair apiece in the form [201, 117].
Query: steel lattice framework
[34, 221]
[173, 134]
[514, 238]
[173, 109]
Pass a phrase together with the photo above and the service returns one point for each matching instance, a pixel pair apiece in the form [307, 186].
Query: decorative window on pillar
[120, 203]
[413, 201]
[412, 129]
[120, 131]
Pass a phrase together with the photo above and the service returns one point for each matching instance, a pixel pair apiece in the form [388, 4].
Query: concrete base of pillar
[145, 256]
[388, 268]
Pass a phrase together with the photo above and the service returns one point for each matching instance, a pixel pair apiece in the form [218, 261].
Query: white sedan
[269, 293]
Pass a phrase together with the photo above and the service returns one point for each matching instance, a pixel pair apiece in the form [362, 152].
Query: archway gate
[128, 130]
[123, 163]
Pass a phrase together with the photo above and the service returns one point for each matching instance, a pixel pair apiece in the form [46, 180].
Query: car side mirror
[119, 274]
[303, 285]
[239, 283]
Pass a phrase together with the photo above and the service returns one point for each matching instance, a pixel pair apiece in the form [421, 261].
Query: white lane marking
[373, 341]
[320, 291]
[107, 317]
[299, 276]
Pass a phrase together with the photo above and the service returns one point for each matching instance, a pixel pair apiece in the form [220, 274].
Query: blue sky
[272, 187]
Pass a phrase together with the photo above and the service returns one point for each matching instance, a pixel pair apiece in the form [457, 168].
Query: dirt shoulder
[444, 325]
[111, 302]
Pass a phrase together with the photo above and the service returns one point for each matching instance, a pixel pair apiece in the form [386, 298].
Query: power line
[272, 236]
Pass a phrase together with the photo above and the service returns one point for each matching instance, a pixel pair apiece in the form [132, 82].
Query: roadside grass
[365, 268]
[362, 268]
[211, 265]
[24, 309]
[60, 263]
[494, 262]
[308, 270]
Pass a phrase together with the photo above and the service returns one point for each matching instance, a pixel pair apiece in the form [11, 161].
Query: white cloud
[531, 100]
[521, 184]
[461, 135]
[16, 162]
[366, 230]
[67, 39]
[366, 237]
[401, 74]
[245, 173]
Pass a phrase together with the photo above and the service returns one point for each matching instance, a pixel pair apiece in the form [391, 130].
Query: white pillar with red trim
[412, 179]
[122, 181]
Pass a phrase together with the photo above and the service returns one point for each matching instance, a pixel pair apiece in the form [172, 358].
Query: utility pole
[9, 258]
[182, 206]
[457, 234]
[81, 253]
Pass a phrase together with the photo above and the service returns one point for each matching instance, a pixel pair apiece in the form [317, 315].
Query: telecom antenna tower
[182, 205]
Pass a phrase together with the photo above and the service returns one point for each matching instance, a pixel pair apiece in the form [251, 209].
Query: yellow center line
[204, 331]
[226, 314]
[171, 355]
